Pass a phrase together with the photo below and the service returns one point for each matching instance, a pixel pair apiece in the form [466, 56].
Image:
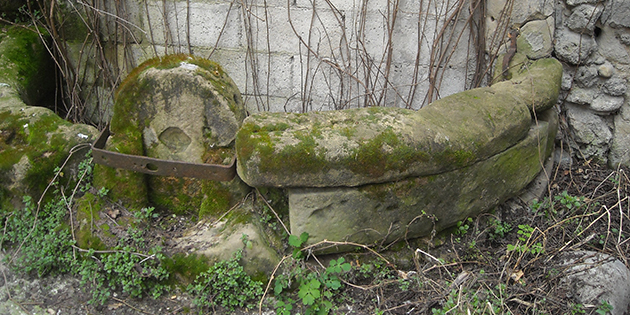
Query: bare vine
[340, 60]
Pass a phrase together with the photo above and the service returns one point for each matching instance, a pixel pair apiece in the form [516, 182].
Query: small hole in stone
[152, 167]
[597, 31]
[492, 18]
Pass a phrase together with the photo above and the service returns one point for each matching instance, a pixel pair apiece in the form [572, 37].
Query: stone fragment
[563, 158]
[617, 13]
[594, 277]
[625, 39]
[576, 2]
[615, 86]
[581, 96]
[590, 132]
[242, 230]
[605, 70]
[573, 47]
[584, 17]
[536, 38]
[604, 103]
[610, 47]
[568, 73]
[586, 76]
[596, 58]
[415, 207]
[522, 11]
[620, 147]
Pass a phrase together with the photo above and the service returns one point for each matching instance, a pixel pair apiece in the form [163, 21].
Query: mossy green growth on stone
[414, 207]
[374, 145]
[180, 108]
[33, 142]
[536, 84]
[88, 208]
[201, 198]
[25, 64]
[361, 146]
[184, 268]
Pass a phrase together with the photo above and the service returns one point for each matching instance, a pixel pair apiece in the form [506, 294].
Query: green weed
[315, 289]
[522, 246]
[225, 284]
[499, 229]
[604, 308]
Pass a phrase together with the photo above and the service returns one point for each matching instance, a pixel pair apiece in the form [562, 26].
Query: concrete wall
[302, 55]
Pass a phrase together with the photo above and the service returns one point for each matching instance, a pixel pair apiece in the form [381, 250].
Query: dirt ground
[470, 269]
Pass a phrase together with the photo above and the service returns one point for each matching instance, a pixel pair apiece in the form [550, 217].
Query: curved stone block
[415, 207]
[33, 140]
[179, 108]
[375, 145]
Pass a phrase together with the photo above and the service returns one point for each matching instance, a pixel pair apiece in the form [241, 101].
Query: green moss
[44, 149]
[273, 127]
[127, 186]
[218, 199]
[184, 269]
[348, 132]
[303, 157]
[238, 217]
[177, 195]
[459, 158]
[26, 64]
[249, 139]
[374, 159]
[5, 201]
[88, 208]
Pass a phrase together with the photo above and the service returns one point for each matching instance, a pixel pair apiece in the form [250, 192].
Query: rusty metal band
[160, 167]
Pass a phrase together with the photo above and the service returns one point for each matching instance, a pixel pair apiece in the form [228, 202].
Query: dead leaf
[114, 306]
[113, 213]
[516, 276]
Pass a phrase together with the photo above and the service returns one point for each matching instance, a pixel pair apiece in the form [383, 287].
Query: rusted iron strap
[154, 166]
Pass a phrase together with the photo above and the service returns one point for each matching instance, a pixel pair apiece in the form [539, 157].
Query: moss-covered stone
[88, 221]
[360, 146]
[374, 145]
[177, 107]
[240, 229]
[534, 83]
[33, 142]
[416, 206]
[25, 64]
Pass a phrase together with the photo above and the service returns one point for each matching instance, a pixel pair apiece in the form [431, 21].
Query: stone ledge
[416, 206]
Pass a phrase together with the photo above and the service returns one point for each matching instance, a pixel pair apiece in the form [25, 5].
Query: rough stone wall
[592, 40]
[596, 77]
